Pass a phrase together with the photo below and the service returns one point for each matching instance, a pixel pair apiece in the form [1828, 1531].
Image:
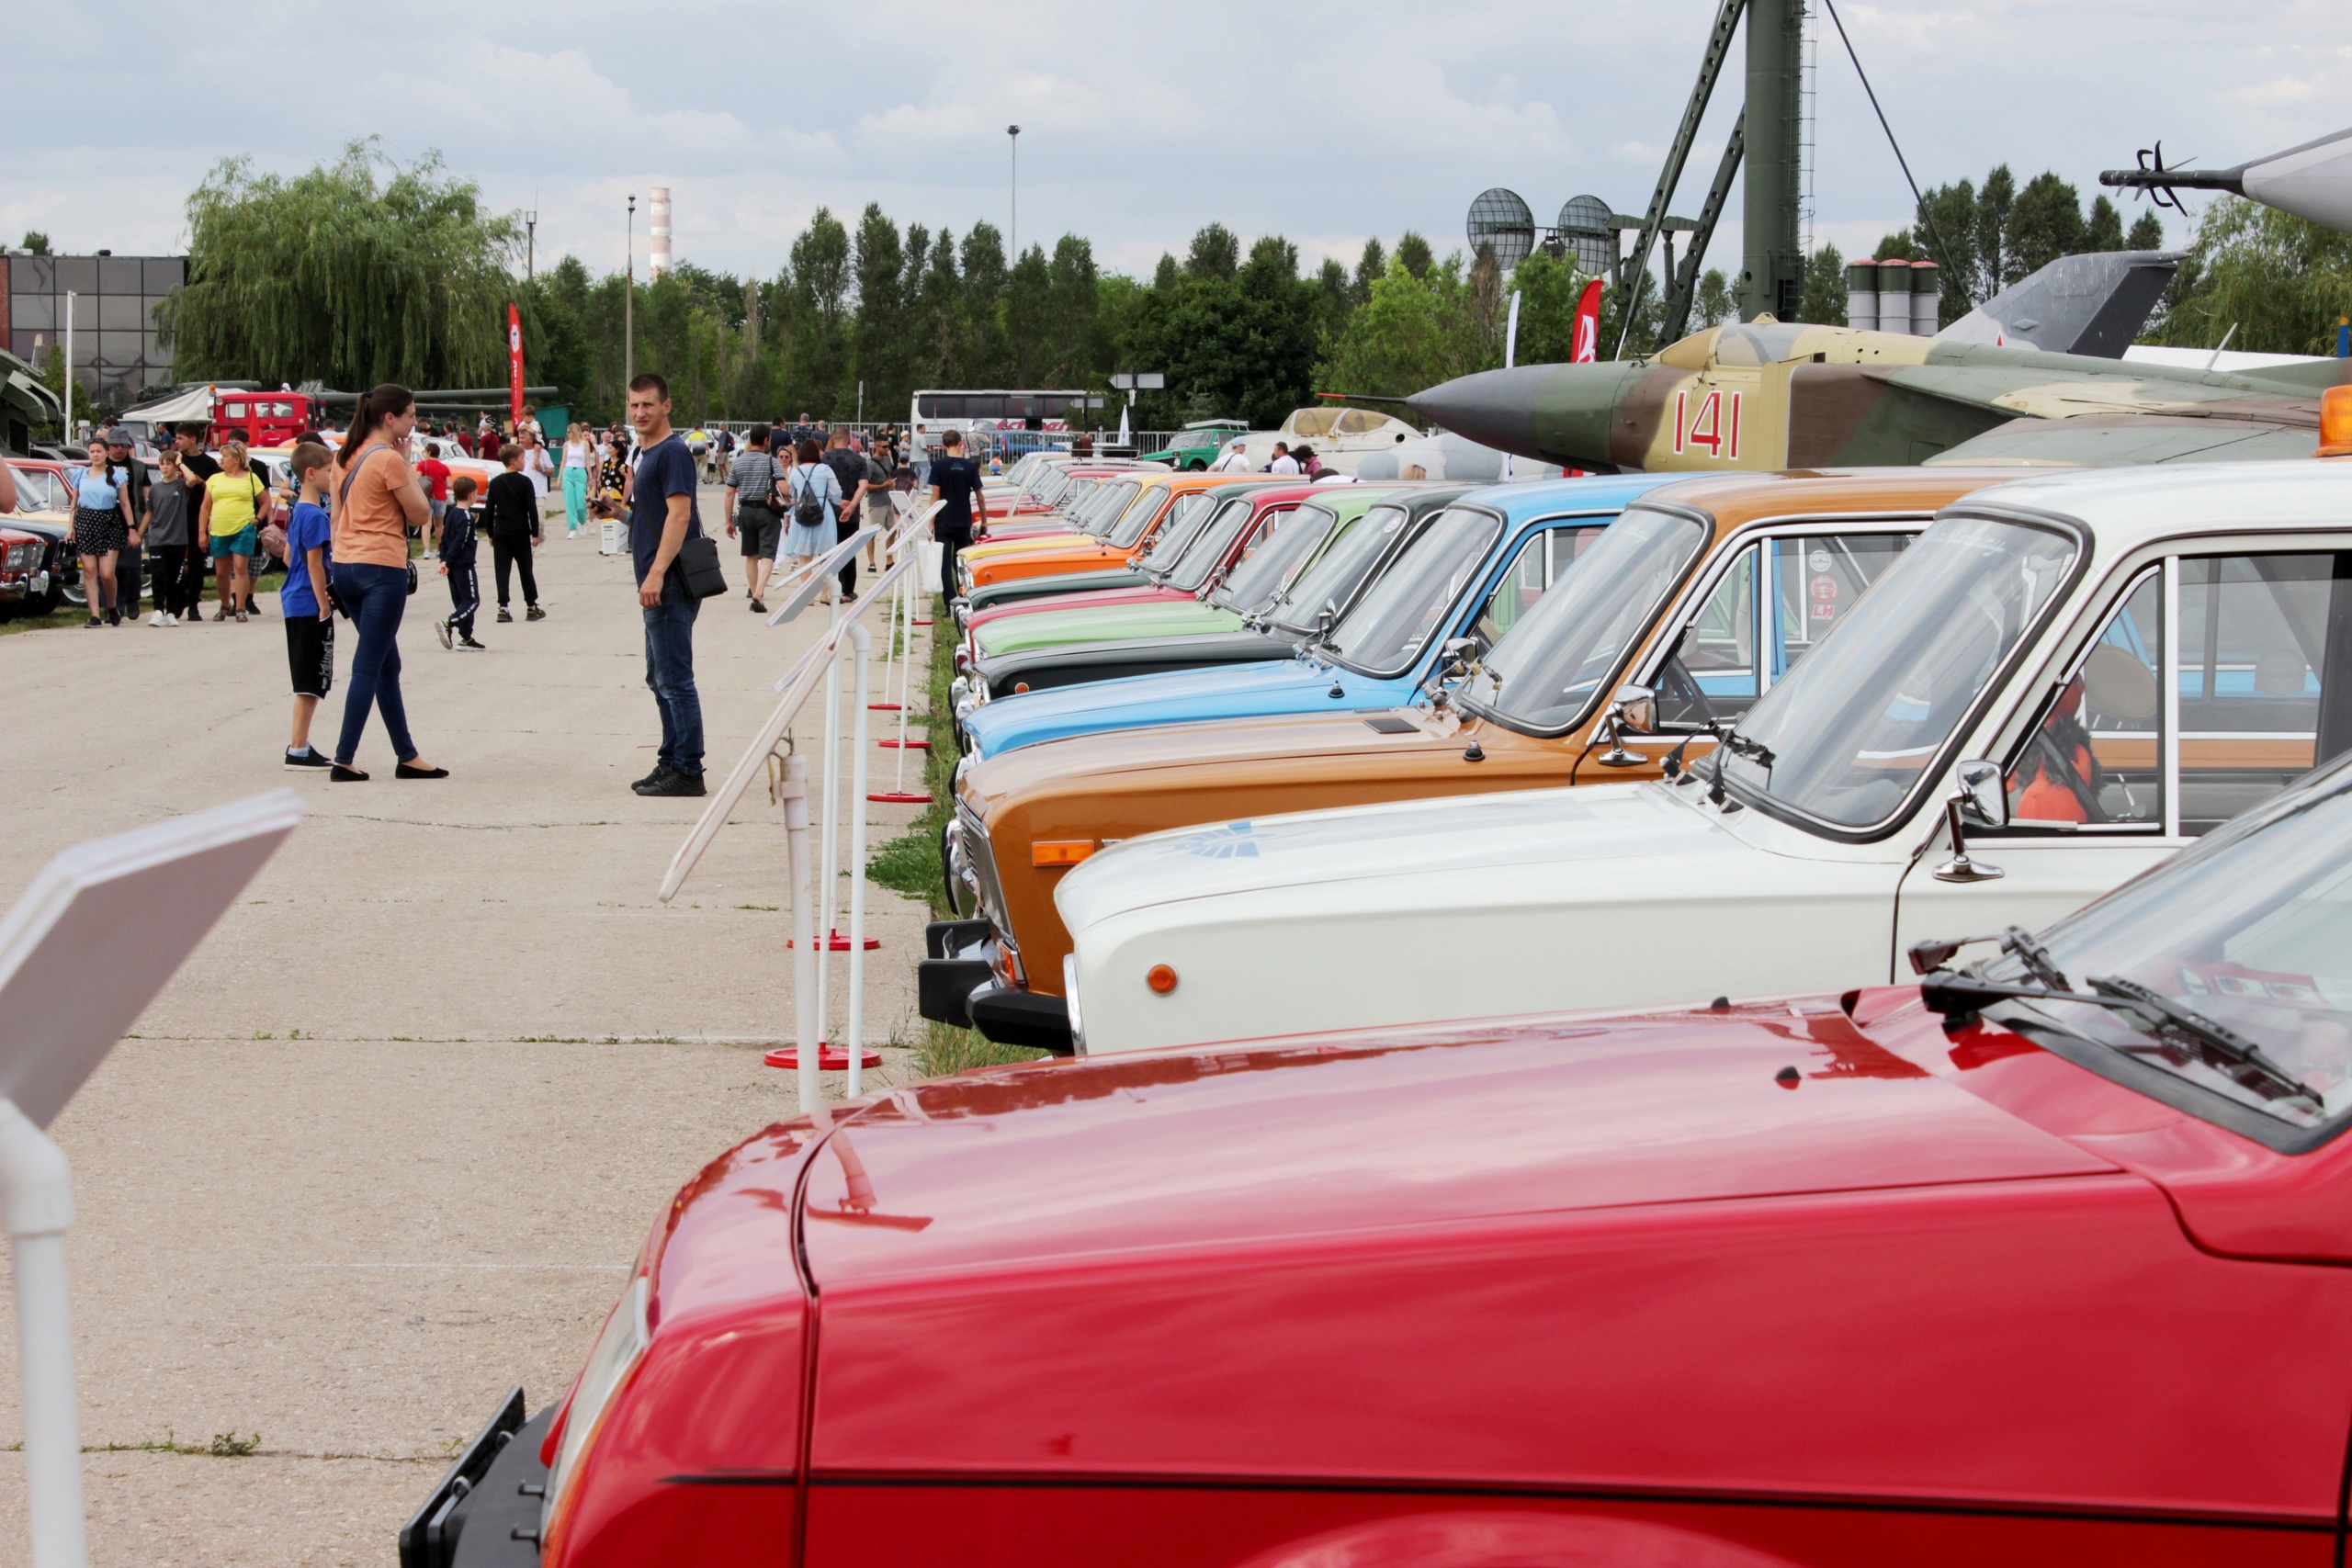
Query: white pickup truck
[2077, 673]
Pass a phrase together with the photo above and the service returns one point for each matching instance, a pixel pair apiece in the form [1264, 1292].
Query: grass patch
[909, 864]
[946, 1049]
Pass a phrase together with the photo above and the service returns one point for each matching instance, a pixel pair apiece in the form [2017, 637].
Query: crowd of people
[797, 490]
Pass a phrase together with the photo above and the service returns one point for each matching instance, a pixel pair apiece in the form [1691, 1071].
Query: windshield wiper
[1961, 994]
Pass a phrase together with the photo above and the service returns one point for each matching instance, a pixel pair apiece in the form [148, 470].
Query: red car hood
[1330, 1134]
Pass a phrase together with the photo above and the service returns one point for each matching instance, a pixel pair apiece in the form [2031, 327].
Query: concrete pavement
[388, 1143]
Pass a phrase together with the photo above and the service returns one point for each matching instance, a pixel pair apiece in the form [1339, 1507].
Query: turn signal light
[1060, 852]
[2336, 422]
[1160, 978]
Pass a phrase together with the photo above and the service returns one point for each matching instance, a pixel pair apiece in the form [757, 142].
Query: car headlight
[618, 1348]
[958, 689]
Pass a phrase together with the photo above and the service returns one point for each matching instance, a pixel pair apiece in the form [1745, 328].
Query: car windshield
[1396, 616]
[1127, 528]
[1546, 670]
[38, 490]
[1332, 581]
[1275, 558]
[2250, 930]
[1850, 732]
[1104, 506]
[1183, 527]
[1211, 545]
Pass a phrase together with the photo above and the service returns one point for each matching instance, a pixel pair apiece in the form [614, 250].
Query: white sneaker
[156, 619]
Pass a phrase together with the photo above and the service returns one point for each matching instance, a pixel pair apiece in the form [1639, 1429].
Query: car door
[2214, 680]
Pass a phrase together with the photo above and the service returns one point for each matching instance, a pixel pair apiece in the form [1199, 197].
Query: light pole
[530, 246]
[1013, 134]
[629, 309]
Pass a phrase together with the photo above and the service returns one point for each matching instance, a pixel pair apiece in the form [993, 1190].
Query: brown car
[1668, 598]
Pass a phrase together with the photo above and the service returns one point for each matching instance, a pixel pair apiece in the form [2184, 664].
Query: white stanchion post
[830, 803]
[862, 645]
[36, 1209]
[792, 793]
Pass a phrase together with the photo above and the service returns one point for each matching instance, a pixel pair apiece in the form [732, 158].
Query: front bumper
[957, 983]
[485, 1513]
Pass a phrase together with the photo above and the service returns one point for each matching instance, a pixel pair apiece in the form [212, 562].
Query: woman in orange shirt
[377, 499]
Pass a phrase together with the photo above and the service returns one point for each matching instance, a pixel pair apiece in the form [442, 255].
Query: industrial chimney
[661, 245]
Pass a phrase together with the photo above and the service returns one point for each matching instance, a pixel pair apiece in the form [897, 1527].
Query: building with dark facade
[116, 357]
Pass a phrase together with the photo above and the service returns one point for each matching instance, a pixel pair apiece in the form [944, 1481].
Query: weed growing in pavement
[947, 1049]
[224, 1445]
[764, 909]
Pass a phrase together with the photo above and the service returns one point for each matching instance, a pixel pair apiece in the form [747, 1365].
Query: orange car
[1156, 498]
[1670, 593]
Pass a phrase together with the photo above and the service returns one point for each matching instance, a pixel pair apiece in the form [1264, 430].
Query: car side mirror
[1982, 798]
[1633, 708]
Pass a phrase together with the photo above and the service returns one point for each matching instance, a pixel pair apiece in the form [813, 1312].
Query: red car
[2043, 1260]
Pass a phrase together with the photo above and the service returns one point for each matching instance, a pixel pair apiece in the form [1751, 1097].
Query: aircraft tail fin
[2091, 304]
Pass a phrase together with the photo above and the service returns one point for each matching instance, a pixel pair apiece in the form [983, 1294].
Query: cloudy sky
[1325, 122]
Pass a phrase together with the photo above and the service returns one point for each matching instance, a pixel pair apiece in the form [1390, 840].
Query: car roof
[2127, 507]
[1600, 492]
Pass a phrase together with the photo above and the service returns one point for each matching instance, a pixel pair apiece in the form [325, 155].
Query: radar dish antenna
[1592, 238]
[1501, 221]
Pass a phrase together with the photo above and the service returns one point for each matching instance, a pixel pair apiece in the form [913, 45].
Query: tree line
[363, 270]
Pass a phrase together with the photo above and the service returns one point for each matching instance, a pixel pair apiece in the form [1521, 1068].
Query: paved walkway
[388, 1145]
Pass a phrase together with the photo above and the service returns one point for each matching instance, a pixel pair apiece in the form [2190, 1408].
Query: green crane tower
[1771, 276]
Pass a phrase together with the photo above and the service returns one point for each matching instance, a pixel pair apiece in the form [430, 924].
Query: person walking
[101, 528]
[199, 466]
[955, 483]
[663, 517]
[848, 474]
[579, 458]
[881, 478]
[539, 467]
[436, 475]
[458, 548]
[171, 511]
[236, 507]
[128, 566]
[304, 604]
[813, 503]
[752, 512]
[511, 508]
[377, 499]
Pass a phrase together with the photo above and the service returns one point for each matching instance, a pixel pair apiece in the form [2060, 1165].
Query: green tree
[1077, 350]
[1995, 264]
[1028, 316]
[1548, 289]
[2279, 280]
[1214, 254]
[938, 334]
[2147, 233]
[1414, 331]
[332, 276]
[36, 242]
[1372, 266]
[1713, 303]
[1414, 252]
[1824, 286]
[815, 317]
[1167, 275]
[2104, 230]
[986, 356]
[879, 342]
[2046, 223]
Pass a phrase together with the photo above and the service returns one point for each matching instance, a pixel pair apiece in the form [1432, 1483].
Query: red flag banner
[515, 362]
[1587, 339]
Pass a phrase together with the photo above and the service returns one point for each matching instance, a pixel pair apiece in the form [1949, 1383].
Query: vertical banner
[1588, 338]
[514, 363]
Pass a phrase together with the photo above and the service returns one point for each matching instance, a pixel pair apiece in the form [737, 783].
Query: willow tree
[334, 276]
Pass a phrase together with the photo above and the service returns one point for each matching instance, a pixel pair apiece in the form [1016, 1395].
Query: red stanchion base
[900, 797]
[837, 942]
[831, 1058]
[906, 745]
[884, 707]
[922, 622]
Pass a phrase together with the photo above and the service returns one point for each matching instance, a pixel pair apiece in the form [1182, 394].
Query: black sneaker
[503, 615]
[441, 630]
[468, 645]
[535, 614]
[670, 784]
[659, 771]
[758, 608]
[308, 757]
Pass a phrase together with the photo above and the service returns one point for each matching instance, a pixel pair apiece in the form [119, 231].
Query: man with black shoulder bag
[751, 479]
[677, 567]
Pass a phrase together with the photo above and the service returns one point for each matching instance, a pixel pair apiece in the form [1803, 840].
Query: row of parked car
[1729, 1021]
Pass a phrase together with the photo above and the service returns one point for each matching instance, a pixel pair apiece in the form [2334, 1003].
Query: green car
[1197, 444]
[1271, 563]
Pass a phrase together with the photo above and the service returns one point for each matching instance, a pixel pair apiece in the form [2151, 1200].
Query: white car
[2092, 669]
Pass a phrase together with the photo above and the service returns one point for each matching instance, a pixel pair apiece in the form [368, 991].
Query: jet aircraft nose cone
[1558, 413]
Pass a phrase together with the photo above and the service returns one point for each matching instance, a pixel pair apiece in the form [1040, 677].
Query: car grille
[979, 860]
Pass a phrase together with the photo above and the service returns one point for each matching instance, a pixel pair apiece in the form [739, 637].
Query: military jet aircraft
[1999, 386]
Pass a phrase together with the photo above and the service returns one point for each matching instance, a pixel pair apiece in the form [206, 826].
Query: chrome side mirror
[1634, 708]
[1981, 797]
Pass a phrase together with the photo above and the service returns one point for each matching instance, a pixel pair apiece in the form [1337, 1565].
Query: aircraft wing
[2057, 391]
[2106, 441]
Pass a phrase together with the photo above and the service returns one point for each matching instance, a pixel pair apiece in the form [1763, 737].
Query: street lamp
[1013, 133]
[629, 309]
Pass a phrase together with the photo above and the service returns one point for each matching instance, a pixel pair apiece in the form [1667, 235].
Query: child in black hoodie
[457, 541]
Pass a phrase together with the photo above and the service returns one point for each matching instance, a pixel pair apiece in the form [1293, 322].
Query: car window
[2262, 693]
[1388, 628]
[1275, 557]
[1215, 540]
[1331, 583]
[1177, 534]
[1126, 531]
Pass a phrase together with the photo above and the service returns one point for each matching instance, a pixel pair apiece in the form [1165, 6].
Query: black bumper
[485, 1513]
[960, 960]
[1024, 1018]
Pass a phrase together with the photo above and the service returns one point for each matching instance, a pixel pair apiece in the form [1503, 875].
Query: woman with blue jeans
[378, 498]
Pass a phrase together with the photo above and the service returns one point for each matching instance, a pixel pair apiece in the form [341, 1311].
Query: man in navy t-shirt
[663, 517]
[955, 479]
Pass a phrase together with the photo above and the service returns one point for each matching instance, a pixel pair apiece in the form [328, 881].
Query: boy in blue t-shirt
[304, 604]
[457, 545]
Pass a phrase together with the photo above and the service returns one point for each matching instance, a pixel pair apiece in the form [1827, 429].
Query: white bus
[993, 418]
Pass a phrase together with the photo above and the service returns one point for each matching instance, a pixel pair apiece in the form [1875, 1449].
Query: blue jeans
[376, 597]
[670, 674]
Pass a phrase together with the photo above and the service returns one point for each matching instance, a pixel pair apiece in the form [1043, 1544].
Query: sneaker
[504, 618]
[660, 770]
[535, 614]
[308, 757]
[93, 621]
[759, 607]
[441, 630]
[468, 645]
[672, 784]
[156, 619]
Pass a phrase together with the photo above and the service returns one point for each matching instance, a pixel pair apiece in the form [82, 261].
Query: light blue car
[1473, 570]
